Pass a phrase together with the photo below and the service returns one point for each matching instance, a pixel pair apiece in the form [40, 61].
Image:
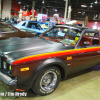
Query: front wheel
[47, 81]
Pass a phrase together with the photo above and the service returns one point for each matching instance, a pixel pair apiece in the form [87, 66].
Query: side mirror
[86, 43]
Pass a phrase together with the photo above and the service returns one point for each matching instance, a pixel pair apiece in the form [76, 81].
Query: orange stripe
[55, 54]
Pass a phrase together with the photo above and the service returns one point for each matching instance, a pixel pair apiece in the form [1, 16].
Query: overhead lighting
[83, 6]
[19, 2]
[43, 2]
[91, 3]
[83, 13]
[91, 6]
[96, 2]
[79, 12]
[55, 9]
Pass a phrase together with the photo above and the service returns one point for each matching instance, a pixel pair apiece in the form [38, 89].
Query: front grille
[5, 66]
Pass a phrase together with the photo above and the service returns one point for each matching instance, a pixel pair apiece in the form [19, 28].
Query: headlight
[5, 65]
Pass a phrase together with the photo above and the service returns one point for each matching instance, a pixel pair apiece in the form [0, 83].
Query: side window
[31, 25]
[89, 39]
[24, 24]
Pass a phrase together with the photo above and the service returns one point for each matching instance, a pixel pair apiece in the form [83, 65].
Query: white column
[20, 14]
[69, 13]
[33, 6]
[6, 12]
[65, 15]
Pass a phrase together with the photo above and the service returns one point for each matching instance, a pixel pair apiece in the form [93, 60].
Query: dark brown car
[40, 63]
[8, 31]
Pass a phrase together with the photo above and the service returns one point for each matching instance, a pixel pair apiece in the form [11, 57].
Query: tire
[47, 81]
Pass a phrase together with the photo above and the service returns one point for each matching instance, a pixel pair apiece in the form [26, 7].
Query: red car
[40, 63]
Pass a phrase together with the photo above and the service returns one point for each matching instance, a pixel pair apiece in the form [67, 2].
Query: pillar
[20, 14]
[42, 9]
[86, 20]
[47, 12]
[33, 7]
[65, 15]
[6, 12]
[69, 13]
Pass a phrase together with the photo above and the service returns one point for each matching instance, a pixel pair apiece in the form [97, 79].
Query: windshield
[63, 35]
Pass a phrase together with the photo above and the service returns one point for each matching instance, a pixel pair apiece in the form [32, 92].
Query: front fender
[52, 61]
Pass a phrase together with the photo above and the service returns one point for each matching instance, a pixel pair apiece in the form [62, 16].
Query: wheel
[47, 81]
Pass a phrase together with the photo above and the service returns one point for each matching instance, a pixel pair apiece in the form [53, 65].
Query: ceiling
[77, 11]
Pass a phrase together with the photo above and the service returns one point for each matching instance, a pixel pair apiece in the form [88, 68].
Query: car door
[86, 55]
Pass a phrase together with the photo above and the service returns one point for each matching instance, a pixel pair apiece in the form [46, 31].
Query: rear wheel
[47, 81]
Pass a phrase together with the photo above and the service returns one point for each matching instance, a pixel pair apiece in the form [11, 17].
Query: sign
[41, 17]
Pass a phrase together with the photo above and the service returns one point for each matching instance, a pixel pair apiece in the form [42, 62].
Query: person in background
[12, 20]
[5, 18]
[18, 20]
[15, 20]
[54, 21]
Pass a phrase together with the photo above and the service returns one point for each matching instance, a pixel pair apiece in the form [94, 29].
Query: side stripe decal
[55, 54]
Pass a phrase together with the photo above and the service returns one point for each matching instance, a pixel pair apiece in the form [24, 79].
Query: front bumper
[7, 81]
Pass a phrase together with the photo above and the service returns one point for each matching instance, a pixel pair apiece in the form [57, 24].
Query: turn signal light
[19, 90]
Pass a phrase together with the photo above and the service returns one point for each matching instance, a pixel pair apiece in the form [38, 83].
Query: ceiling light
[91, 3]
[79, 12]
[96, 2]
[43, 1]
[19, 2]
[83, 6]
[91, 6]
[55, 9]
[83, 13]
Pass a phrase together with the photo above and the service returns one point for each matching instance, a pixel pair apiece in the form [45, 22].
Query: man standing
[53, 22]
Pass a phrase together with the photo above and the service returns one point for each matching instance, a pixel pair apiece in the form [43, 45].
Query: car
[32, 26]
[40, 63]
[7, 31]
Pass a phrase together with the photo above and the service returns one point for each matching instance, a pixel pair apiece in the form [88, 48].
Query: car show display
[32, 26]
[40, 63]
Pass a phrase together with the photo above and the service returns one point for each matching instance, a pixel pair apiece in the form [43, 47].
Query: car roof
[77, 27]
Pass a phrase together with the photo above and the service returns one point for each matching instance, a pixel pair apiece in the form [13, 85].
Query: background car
[8, 31]
[32, 26]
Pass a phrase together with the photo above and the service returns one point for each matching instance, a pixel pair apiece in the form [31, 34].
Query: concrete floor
[84, 85]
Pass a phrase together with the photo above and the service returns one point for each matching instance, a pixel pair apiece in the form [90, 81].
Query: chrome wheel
[48, 81]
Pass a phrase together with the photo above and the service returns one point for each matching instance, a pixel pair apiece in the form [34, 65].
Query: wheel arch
[60, 64]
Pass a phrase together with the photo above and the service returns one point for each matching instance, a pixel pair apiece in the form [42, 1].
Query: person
[53, 22]
[15, 20]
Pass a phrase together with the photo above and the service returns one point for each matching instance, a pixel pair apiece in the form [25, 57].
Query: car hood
[13, 50]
